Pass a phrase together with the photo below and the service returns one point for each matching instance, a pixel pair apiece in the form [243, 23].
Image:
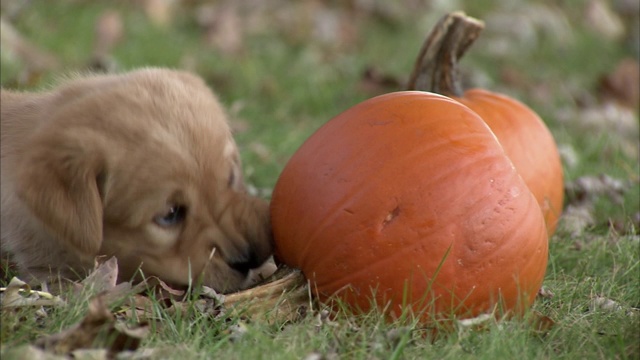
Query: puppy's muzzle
[252, 261]
[253, 220]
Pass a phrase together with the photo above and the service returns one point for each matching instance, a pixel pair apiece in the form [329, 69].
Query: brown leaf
[576, 218]
[619, 122]
[81, 335]
[104, 280]
[578, 215]
[545, 293]
[542, 324]
[622, 84]
[98, 329]
[166, 291]
[587, 188]
[103, 277]
[212, 294]
[237, 331]
[374, 81]
[19, 294]
[139, 308]
[604, 304]
[128, 338]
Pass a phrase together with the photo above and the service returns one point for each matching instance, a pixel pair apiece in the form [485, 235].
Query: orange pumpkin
[528, 143]
[408, 201]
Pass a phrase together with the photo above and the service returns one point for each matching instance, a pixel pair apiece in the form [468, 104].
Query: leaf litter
[582, 194]
[118, 315]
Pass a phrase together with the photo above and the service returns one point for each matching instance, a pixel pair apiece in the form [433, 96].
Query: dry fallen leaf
[586, 188]
[212, 294]
[601, 303]
[542, 324]
[375, 81]
[545, 293]
[619, 122]
[98, 329]
[139, 308]
[475, 321]
[237, 331]
[520, 29]
[622, 84]
[577, 218]
[582, 193]
[104, 280]
[104, 276]
[19, 294]
[81, 335]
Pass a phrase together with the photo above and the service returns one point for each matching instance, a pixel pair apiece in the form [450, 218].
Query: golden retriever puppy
[141, 166]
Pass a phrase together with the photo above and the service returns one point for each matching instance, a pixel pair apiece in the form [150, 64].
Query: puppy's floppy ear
[60, 181]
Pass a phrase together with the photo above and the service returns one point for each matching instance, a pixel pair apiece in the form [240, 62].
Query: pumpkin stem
[436, 68]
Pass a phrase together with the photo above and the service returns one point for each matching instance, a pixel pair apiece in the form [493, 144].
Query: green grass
[284, 86]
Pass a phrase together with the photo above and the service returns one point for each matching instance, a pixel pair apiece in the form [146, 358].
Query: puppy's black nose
[250, 262]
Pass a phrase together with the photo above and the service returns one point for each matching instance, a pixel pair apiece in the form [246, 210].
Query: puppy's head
[143, 166]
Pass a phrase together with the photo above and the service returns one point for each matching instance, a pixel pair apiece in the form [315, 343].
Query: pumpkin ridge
[516, 127]
[378, 238]
[330, 215]
[370, 267]
[436, 143]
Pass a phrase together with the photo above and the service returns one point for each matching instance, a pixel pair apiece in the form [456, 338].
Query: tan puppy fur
[141, 166]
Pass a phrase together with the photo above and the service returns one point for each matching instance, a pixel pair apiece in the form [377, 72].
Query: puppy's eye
[174, 216]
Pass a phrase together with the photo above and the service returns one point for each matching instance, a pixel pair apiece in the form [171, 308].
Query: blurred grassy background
[284, 68]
